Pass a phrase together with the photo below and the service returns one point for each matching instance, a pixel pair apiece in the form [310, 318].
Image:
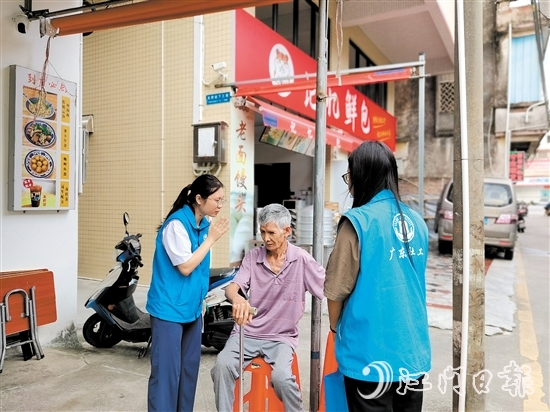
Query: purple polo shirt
[279, 298]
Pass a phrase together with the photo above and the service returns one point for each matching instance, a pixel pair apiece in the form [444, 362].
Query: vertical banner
[42, 142]
[241, 166]
[517, 162]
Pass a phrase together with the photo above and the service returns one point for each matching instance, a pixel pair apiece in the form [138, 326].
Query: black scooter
[117, 317]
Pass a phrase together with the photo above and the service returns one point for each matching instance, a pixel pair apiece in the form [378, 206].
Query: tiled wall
[138, 84]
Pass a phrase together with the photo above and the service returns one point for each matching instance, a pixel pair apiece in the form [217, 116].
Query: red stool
[330, 365]
[261, 397]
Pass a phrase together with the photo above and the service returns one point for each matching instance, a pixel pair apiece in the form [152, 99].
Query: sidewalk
[88, 379]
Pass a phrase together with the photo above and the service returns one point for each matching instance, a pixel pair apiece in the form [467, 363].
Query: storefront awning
[147, 12]
[332, 81]
[264, 58]
[299, 128]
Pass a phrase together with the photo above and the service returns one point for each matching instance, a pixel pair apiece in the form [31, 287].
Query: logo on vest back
[407, 225]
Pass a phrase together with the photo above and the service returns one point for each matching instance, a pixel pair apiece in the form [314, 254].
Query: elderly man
[275, 277]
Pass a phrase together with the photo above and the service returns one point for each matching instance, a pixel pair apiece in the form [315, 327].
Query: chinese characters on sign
[261, 53]
[517, 160]
[43, 147]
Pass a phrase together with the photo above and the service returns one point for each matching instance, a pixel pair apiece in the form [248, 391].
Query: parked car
[500, 216]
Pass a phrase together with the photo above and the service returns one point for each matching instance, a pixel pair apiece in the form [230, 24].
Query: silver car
[499, 200]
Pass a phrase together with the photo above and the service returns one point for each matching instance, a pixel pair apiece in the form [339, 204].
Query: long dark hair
[204, 186]
[372, 168]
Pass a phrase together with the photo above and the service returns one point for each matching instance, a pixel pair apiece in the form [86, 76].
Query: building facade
[146, 86]
[140, 90]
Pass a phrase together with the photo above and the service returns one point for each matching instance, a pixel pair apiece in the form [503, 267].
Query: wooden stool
[262, 397]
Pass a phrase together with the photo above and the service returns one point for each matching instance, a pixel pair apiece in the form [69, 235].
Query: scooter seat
[144, 321]
[218, 275]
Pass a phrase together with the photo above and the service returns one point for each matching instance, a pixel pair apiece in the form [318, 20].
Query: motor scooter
[117, 317]
[522, 212]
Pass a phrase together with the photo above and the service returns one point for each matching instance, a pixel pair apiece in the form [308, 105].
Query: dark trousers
[175, 358]
[388, 400]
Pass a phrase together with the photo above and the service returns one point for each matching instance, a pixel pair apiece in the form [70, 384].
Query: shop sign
[218, 98]
[261, 53]
[517, 161]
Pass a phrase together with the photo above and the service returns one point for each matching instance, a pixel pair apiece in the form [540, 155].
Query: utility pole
[468, 232]
[318, 201]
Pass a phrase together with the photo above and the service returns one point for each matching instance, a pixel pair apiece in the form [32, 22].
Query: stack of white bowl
[305, 229]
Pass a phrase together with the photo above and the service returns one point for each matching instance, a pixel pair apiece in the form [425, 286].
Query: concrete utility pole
[318, 202]
[468, 231]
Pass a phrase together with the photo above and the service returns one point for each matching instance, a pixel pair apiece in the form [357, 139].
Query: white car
[500, 217]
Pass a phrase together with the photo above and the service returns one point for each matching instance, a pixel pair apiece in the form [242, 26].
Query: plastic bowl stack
[305, 229]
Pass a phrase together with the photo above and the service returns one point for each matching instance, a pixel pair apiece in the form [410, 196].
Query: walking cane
[252, 311]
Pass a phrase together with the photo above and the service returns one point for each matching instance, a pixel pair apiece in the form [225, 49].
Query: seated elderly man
[275, 277]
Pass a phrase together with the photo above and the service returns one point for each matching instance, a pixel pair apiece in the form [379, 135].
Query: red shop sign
[261, 53]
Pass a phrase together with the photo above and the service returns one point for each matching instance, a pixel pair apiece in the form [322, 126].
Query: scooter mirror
[126, 219]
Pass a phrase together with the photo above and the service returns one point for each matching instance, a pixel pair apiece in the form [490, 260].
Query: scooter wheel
[100, 334]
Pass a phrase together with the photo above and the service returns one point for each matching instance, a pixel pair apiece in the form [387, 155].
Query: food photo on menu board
[288, 140]
[38, 193]
[271, 136]
[302, 144]
[39, 104]
[38, 133]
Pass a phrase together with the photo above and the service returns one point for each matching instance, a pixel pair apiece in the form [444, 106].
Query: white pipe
[80, 160]
[310, 76]
[489, 141]
[162, 130]
[507, 133]
[530, 108]
[198, 67]
[465, 207]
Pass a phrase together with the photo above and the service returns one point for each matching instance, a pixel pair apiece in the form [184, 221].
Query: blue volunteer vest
[383, 330]
[172, 296]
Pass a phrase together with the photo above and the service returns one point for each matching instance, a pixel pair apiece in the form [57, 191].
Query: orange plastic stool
[261, 397]
[330, 365]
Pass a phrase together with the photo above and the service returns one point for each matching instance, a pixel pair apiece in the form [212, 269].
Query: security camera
[219, 66]
[22, 23]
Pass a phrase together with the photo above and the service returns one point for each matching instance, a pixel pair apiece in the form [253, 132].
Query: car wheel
[509, 254]
[445, 247]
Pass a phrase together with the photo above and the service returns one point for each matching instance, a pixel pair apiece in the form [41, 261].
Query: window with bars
[296, 21]
[377, 92]
[445, 105]
[447, 97]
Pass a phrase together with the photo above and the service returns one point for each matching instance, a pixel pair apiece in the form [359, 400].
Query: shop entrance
[273, 183]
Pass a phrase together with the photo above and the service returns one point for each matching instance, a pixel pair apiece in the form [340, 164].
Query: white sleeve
[175, 240]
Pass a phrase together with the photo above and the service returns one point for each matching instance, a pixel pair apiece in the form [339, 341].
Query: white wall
[339, 190]
[39, 239]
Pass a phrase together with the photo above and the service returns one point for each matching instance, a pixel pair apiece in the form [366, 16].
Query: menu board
[286, 140]
[42, 142]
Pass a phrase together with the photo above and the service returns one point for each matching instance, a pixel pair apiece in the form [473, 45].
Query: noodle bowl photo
[40, 133]
[40, 108]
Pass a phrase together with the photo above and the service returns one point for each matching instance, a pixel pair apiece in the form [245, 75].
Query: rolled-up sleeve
[343, 263]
